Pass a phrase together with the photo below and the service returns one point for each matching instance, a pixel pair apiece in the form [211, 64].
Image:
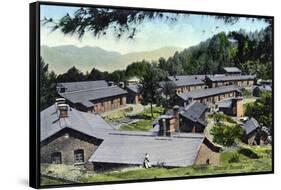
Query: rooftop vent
[60, 101]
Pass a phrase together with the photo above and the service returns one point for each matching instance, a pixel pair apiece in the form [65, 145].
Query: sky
[185, 32]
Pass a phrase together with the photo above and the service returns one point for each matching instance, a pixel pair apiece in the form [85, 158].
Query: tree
[95, 74]
[150, 89]
[137, 69]
[218, 117]
[118, 76]
[168, 89]
[72, 75]
[47, 86]
[226, 135]
[261, 110]
[100, 21]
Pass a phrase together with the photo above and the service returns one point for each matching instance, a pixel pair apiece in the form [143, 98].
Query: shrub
[234, 158]
[226, 135]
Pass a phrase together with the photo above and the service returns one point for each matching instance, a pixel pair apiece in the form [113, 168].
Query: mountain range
[61, 58]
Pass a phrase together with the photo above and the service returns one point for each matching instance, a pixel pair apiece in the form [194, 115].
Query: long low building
[92, 96]
[213, 81]
[187, 83]
[209, 96]
[72, 137]
[121, 150]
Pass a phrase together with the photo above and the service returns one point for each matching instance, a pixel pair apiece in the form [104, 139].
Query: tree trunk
[151, 110]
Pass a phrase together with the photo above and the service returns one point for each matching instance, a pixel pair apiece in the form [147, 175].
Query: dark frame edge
[34, 169]
[34, 101]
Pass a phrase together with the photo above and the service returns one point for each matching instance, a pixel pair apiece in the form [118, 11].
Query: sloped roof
[132, 149]
[124, 147]
[208, 92]
[84, 85]
[231, 77]
[86, 123]
[225, 103]
[194, 111]
[134, 88]
[264, 88]
[251, 125]
[187, 80]
[232, 69]
[86, 96]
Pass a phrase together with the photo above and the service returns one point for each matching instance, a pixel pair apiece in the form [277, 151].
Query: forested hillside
[251, 52]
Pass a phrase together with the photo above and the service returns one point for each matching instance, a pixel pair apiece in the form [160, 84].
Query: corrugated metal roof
[87, 123]
[208, 92]
[135, 88]
[264, 88]
[194, 111]
[187, 80]
[251, 125]
[86, 96]
[231, 78]
[225, 103]
[84, 85]
[172, 151]
[232, 69]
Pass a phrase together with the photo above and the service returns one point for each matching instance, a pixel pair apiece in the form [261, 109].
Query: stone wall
[207, 155]
[66, 143]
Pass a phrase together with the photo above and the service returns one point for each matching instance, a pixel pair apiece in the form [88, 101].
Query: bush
[234, 158]
[246, 93]
[219, 117]
[226, 135]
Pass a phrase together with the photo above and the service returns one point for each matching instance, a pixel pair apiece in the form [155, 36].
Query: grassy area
[46, 181]
[231, 162]
[143, 125]
[223, 118]
[157, 111]
[117, 114]
[145, 122]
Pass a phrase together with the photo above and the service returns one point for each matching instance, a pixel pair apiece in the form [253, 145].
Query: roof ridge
[91, 89]
[81, 81]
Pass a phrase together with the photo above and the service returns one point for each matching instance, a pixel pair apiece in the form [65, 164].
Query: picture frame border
[34, 92]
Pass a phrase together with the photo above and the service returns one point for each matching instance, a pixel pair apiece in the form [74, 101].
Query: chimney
[60, 101]
[166, 125]
[110, 83]
[63, 110]
[121, 84]
[237, 106]
[177, 117]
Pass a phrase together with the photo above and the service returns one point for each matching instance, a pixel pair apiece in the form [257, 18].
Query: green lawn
[46, 181]
[143, 125]
[116, 115]
[145, 122]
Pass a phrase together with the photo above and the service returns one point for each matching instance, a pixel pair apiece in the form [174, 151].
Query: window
[79, 156]
[56, 158]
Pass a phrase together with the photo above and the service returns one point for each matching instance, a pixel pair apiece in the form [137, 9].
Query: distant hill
[61, 58]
